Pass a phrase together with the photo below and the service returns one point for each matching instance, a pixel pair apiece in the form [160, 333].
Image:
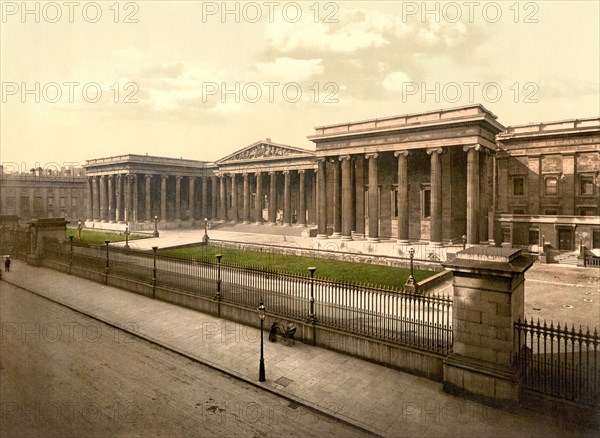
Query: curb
[300, 401]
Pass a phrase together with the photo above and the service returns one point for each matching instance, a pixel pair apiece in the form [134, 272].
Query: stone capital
[476, 147]
[344, 157]
[301, 171]
[403, 153]
[438, 151]
[286, 172]
[322, 159]
[371, 155]
[148, 177]
[164, 177]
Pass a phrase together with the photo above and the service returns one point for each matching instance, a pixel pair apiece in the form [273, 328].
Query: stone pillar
[246, 188]
[103, 204]
[533, 185]
[312, 211]
[191, 213]
[222, 198]
[337, 198]
[134, 198]
[346, 210]
[205, 213]
[148, 209]
[177, 198]
[488, 300]
[213, 197]
[568, 184]
[435, 236]
[90, 205]
[403, 208]
[119, 200]
[472, 193]
[302, 194]
[373, 198]
[163, 197]
[273, 198]
[111, 191]
[287, 199]
[234, 198]
[322, 198]
[359, 190]
[127, 199]
[258, 199]
[97, 216]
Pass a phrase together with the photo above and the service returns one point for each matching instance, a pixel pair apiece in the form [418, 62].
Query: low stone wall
[414, 361]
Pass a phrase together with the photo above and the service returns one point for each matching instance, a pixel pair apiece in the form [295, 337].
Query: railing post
[106, 267]
[218, 295]
[154, 249]
[71, 255]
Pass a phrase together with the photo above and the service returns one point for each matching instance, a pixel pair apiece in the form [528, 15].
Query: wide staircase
[567, 257]
[280, 230]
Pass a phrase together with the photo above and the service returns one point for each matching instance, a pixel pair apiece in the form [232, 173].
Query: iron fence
[421, 321]
[560, 361]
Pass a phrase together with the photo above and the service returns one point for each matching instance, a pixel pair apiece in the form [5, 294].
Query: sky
[200, 80]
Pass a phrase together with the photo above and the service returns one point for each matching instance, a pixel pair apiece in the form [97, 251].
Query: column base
[403, 241]
[347, 238]
[246, 222]
[373, 239]
[336, 235]
[302, 225]
[437, 244]
[322, 236]
[272, 224]
[258, 223]
[287, 225]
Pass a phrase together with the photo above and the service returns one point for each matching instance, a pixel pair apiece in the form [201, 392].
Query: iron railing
[420, 321]
[560, 361]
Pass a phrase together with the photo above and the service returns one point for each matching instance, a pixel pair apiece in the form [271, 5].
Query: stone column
[191, 213]
[103, 204]
[134, 198]
[287, 199]
[163, 197]
[533, 184]
[95, 181]
[435, 236]
[234, 198]
[148, 209]
[111, 191]
[258, 199]
[302, 193]
[127, 199]
[337, 199]
[223, 198]
[488, 300]
[246, 188]
[205, 213]
[32, 211]
[568, 194]
[119, 200]
[88, 192]
[273, 198]
[322, 198]
[359, 190]
[472, 193]
[373, 198]
[312, 211]
[403, 209]
[213, 197]
[177, 198]
[346, 210]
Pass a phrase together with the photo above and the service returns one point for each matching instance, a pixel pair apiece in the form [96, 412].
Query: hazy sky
[200, 80]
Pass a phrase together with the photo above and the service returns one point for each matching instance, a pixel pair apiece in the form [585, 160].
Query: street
[65, 374]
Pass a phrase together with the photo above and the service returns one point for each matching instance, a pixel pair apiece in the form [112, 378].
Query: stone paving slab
[379, 399]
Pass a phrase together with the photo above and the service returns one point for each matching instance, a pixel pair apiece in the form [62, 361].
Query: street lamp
[154, 248]
[205, 238]
[464, 240]
[71, 257]
[106, 268]
[218, 296]
[311, 314]
[261, 367]
[126, 235]
[79, 227]
[155, 226]
[411, 285]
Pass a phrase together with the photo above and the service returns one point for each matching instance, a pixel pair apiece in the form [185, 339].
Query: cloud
[395, 80]
[290, 69]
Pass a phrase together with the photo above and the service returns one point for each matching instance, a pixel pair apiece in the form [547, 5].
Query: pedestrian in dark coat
[7, 264]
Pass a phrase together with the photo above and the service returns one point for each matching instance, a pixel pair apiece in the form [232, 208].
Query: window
[551, 212]
[590, 211]
[518, 211]
[596, 239]
[426, 202]
[63, 202]
[586, 185]
[50, 203]
[24, 203]
[506, 235]
[518, 187]
[551, 185]
[10, 202]
[534, 236]
[73, 202]
[394, 194]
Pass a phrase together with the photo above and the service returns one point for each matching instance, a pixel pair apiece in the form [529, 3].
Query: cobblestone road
[64, 374]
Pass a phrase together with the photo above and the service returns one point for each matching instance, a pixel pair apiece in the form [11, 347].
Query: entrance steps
[266, 228]
[567, 258]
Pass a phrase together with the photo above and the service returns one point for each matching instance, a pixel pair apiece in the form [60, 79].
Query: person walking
[7, 264]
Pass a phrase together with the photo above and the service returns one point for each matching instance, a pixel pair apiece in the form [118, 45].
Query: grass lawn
[98, 237]
[329, 269]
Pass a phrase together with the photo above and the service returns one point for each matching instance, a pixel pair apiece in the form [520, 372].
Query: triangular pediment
[263, 150]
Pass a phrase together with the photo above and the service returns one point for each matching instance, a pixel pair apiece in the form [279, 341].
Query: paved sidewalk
[384, 401]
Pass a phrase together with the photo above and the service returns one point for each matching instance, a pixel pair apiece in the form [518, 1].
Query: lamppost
[464, 240]
[411, 285]
[126, 235]
[71, 257]
[79, 227]
[205, 238]
[154, 248]
[311, 314]
[218, 296]
[261, 367]
[155, 226]
[106, 268]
